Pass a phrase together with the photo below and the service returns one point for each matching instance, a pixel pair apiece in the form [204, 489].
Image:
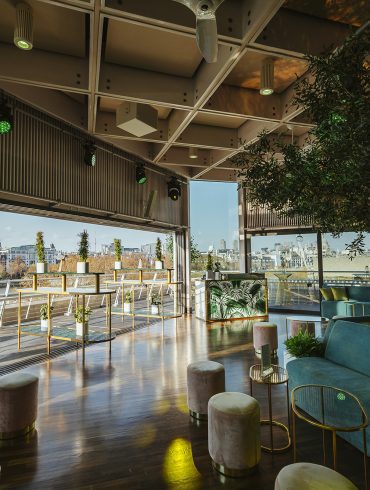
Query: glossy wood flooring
[121, 421]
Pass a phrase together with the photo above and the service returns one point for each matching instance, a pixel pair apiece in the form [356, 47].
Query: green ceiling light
[23, 32]
[6, 119]
[267, 77]
[90, 154]
[141, 177]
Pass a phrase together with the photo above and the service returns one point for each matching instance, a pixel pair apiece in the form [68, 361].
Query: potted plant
[83, 251]
[155, 302]
[41, 264]
[217, 271]
[128, 302]
[158, 255]
[303, 344]
[118, 254]
[209, 272]
[44, 318]
[79, 314]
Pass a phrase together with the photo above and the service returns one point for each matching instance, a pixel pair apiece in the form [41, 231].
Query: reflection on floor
[121, 421]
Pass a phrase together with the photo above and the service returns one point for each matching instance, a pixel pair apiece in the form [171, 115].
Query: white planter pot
[140, 264]
[82, 267]
[80, 329]
[217, 276]
[44, 325]
[118, 265]
[158, 264]
[41, 267]
[126, 307]
[210, 275]
[154, 309]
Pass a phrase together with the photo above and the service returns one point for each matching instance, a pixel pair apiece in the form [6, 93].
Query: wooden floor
[121, 421]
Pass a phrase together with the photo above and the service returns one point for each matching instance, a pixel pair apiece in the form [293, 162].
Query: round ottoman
[265, 333]
[18, 404]
[205, 379]
[234, 433]
[309, 476]
[301, 326]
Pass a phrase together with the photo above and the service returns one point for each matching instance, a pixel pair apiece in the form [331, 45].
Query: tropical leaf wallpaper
[236, 299]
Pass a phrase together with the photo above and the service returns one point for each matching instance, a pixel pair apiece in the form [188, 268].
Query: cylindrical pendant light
[267, 77]
[193, 152]
[23, 32]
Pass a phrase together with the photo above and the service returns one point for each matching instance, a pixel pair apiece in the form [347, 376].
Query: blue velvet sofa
[358, 303]
[345, 365]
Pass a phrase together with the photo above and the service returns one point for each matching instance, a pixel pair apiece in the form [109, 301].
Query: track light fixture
[174, 189]
[6, 119]
[23, 32]
[267, 77]
[193, 152]
[141, 177]
[90, 154]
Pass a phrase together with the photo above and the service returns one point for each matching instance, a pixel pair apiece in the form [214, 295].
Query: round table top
[278, 376]
[329, 408]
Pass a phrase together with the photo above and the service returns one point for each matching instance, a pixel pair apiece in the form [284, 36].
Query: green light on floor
[5, 127]
[341, 396]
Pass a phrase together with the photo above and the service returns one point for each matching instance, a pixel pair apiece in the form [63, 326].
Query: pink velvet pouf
[205, 379]
[265, 333]
[234, 433]
[18, 404]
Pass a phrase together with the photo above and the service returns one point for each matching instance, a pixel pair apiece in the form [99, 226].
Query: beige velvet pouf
[205, 379]
[265, 333]
[234, 433]
[301, 326]
[18, 404]
[309, 476]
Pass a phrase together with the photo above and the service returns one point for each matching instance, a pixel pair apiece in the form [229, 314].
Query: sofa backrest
[359, 293]
[348, 345]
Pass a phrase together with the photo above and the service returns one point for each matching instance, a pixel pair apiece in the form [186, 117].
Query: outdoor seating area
[184, 244]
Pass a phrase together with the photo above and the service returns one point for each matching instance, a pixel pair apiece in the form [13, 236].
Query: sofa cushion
[318, 370]
[327, 294]
[356, 319]
[359, 293]
[339, 293]
[348, 345]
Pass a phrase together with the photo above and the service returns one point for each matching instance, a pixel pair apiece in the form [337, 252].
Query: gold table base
[282, 427]
[233, 473]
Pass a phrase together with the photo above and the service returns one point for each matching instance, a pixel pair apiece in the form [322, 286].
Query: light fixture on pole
[90, 154]
[23, 32]
[193, 152]
[267, 77]
[174, 189]
[141, 177]
[6, 119]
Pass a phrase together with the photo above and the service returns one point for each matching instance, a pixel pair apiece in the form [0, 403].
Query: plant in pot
[158, 255]
[41, 264]
[118, 254]
[83, 252]
[217, 271]
[155, 302]
[128, 302]
[303, 344]
[80, 316]
[209, 272]
[44, 318]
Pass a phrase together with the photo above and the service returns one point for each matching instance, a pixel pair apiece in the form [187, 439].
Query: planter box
[154, 309]
[126, 307]
[118, 265]
[41, 267]
[82, 267]
[158, 264]
[79, 328]
[44, 325]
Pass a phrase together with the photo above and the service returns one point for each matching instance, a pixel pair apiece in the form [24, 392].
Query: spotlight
[174, 189]
[90, 154]
[267, 77]
[6, 119]
[193, 152]
[141, 177]
[23, 32]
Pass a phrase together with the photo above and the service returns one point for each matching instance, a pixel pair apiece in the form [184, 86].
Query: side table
[277, 377]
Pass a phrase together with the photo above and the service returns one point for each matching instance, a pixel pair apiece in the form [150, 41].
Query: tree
[158, 249]
[326, 181]
[194, 252]
[17, 268]
[117, 249]
[83, 248]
